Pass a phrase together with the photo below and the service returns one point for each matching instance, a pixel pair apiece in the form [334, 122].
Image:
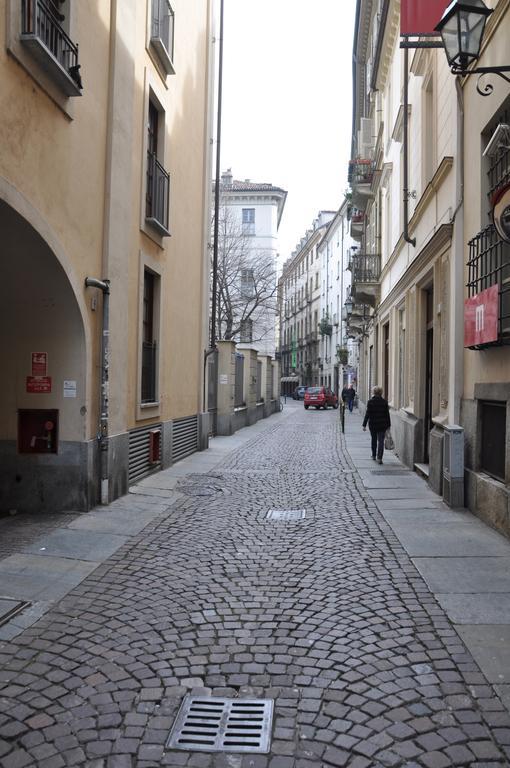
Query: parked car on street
[299, 393]
[320, 397]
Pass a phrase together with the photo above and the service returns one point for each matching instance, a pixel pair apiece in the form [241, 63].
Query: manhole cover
[222, 725]
[200, 485]
[286, 515]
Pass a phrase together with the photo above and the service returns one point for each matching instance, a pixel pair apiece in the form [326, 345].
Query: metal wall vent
[286, 515]
[184, 437]
[222, 725]
[139, 460]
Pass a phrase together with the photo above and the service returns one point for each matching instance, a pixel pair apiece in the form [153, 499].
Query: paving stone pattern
[327, 616]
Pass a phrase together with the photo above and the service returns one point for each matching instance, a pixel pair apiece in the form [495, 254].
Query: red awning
[419, 17]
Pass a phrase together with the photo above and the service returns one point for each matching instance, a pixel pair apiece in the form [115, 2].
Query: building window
[162, 34]
[158, 180]
[493, 428]
[149, 347]
[401, 357]
[246, 331]
[247, 284]
[44, 32]
[248, 221]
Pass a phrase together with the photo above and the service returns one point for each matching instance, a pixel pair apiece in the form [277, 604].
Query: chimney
[227, 178]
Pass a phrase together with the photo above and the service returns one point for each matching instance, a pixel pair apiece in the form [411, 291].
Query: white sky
[287, 103]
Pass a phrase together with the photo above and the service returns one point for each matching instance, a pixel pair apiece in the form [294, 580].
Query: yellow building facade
[105, 114]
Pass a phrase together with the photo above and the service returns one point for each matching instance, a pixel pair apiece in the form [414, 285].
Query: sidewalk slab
[32, 577]
[77, 545]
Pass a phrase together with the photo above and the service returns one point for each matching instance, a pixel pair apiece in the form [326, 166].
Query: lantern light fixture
[461, 28]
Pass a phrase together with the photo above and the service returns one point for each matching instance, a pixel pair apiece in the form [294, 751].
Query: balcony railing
[158, 193]
[365, 267]
[149, 364]
[50, 45]
[489, 265]
[361, 171]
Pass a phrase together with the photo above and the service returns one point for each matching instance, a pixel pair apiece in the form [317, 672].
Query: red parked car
[320, 397]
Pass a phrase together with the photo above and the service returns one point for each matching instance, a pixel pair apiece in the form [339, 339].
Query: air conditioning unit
[453, 466]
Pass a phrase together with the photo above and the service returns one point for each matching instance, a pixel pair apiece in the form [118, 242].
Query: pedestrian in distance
[348, 395]
[377, 417]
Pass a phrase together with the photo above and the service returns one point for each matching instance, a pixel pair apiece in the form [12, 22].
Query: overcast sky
[287, 103]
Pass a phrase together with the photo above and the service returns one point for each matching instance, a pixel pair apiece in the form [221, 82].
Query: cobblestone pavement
[327, 616]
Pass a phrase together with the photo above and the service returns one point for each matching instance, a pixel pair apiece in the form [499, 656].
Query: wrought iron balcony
[361, 175]
[158, 194]
[361, 171]
[43, 35]
[366, 271]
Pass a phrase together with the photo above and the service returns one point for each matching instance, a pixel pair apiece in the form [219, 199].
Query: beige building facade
[104, 178]
[421, 215]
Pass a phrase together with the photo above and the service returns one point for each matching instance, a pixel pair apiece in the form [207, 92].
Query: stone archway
[39, 312]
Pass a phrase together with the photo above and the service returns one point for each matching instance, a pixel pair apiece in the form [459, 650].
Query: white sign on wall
[69, 388]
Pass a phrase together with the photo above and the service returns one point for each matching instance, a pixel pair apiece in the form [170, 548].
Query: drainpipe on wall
[410, 240]
[457, 274]
[104, 286]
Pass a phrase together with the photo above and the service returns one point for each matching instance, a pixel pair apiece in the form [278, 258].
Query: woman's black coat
[377, 414]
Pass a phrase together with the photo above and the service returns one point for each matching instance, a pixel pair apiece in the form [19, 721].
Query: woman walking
[378, 418]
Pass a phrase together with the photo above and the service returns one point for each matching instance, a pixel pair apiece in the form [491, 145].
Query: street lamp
[461, 29]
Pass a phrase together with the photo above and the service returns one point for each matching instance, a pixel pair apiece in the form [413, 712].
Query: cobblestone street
[326, 615]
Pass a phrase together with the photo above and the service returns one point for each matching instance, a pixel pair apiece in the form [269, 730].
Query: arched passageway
[46, 458]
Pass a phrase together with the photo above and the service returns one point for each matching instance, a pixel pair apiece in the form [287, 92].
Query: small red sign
[39, 363]
[39, 385]
[481, 317]
[419, 17]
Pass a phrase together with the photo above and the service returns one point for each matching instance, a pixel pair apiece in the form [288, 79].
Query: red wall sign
[419, 17]
[39, 363]
[39, 385]
[481, 317]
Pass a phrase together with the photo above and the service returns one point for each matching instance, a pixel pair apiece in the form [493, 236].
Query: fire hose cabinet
[37, 430]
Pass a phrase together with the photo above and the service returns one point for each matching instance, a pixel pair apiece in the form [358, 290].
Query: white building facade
[338, 353]
[299, 310]
[254, 211]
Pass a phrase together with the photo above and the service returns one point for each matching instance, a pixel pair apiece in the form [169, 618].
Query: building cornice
[388, 33]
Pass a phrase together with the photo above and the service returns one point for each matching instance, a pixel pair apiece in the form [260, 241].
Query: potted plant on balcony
[342, 355]
[325, 327]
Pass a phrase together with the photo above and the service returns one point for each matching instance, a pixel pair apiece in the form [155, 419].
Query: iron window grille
[149, 364]
[162, 33]
[40, 24]
[239, 376]
[488, 265]
[158, 194]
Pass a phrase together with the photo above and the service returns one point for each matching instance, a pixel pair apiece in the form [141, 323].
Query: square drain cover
[286, 515]
[222, 725]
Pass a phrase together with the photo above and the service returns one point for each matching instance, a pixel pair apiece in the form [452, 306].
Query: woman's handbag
[388, 440]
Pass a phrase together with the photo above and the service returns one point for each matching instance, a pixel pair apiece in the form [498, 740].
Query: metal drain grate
[286, 515]
[222, 725]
